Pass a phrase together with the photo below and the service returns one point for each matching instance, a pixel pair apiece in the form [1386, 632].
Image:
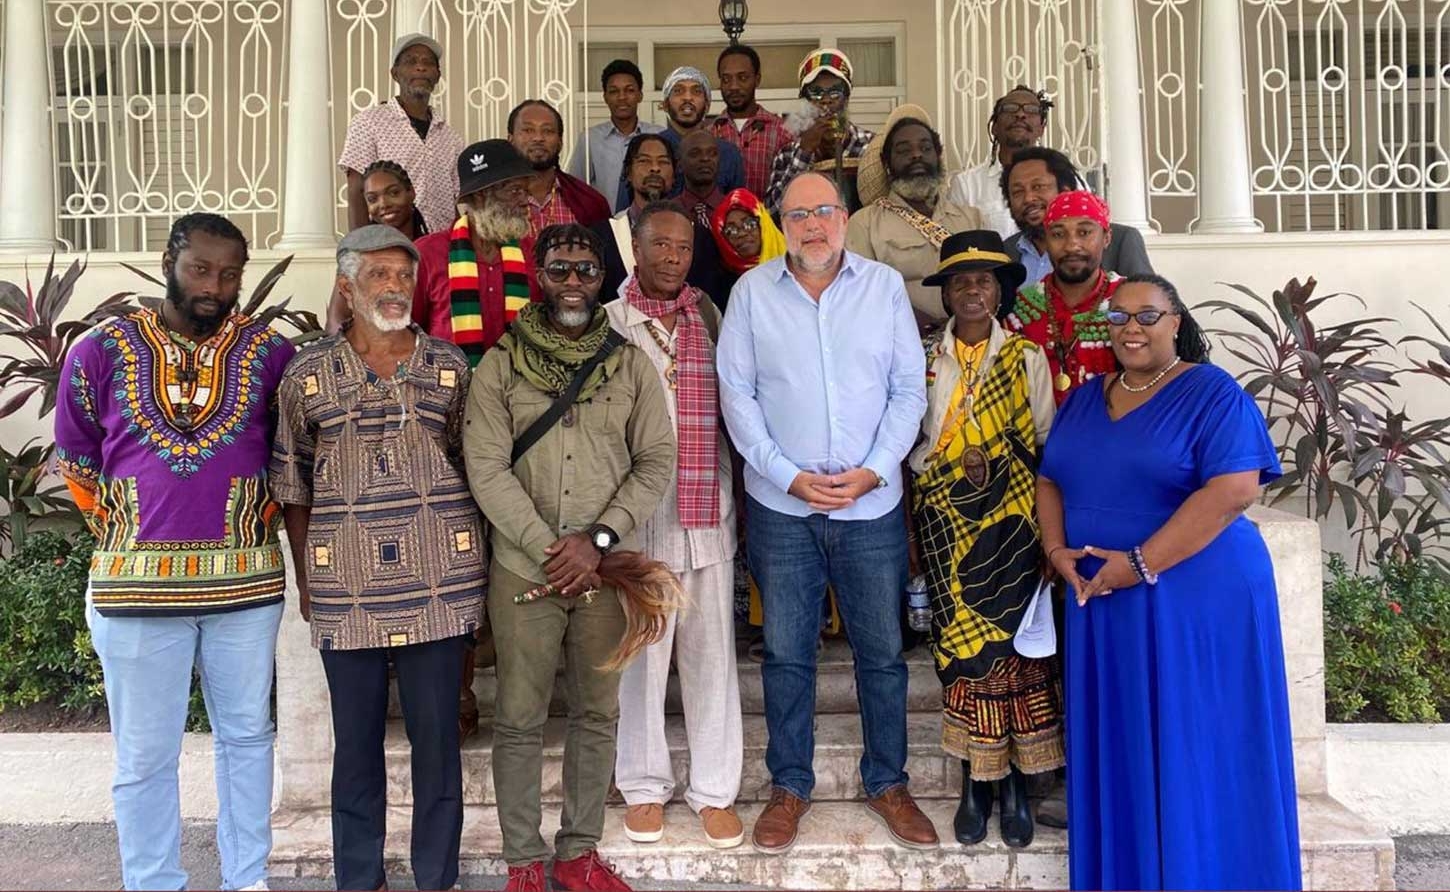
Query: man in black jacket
[1029, 183]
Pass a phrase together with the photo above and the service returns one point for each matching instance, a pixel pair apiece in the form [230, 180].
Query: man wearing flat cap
[388, 549]
[826, 140]
[476, 273]
[408, 130]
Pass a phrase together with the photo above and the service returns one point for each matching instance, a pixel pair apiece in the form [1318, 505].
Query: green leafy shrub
[45, 646]
[1387, 643]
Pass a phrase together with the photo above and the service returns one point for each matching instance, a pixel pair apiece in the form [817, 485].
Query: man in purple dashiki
[163, 432]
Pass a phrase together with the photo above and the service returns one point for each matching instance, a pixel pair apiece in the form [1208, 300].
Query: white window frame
[824, 35]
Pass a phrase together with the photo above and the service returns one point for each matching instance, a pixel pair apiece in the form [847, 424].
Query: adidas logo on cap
[479, 163]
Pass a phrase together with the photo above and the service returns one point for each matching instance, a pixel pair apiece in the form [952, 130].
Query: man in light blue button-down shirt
[823, 385]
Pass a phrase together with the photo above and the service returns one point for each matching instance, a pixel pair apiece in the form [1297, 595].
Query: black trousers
[428, 685]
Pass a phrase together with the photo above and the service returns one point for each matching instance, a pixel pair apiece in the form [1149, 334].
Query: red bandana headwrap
[697, 402]
[1077, 203]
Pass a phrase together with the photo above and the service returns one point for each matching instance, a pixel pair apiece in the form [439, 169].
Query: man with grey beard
[406, 129]
[560, 496]
[475, 276]
[387, 548]
[906, 212]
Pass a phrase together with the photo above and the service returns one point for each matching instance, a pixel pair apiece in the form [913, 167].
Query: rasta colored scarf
[465, 306]
[548, 360]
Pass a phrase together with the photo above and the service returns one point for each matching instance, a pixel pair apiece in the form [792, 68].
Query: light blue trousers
[147, 662]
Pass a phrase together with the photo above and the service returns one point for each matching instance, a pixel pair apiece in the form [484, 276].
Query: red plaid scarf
[697, 402]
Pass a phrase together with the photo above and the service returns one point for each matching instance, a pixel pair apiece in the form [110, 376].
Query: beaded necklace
[1065, 351]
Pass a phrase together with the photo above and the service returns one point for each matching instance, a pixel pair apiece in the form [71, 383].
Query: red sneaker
[527, 879]
[588, 873]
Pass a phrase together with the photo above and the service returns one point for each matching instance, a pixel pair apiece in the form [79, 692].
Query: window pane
[596, 56]
[778, 61]
[873, 60]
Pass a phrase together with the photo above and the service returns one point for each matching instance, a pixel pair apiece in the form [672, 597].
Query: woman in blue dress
[1180, 767]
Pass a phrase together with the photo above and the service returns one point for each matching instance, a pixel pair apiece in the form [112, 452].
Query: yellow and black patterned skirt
[976, 525]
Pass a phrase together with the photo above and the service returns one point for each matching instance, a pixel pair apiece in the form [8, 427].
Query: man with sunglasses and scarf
[570, 496]
[826, 140]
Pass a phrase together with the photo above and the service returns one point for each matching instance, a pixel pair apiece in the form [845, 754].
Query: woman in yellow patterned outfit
[989, 407]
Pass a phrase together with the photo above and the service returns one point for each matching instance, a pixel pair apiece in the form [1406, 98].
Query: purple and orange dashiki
[165, 445]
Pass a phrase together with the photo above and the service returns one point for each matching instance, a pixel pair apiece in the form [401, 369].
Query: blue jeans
[147, 662]
[792, 559]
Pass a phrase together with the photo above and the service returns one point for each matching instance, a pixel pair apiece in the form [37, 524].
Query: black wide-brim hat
[488, 162]
[980, 249]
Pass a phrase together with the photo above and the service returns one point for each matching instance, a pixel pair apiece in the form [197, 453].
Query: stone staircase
[841, 845]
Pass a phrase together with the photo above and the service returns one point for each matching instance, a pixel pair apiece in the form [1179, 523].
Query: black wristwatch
[603, 538]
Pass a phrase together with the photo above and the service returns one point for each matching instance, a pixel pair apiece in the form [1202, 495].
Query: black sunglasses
[1144, 317]
[558, 271]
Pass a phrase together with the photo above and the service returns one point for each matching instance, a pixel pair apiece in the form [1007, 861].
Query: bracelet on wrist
[1140, 566]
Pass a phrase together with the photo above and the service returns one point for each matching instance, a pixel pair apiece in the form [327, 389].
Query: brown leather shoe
[904, 821]
[776, 828]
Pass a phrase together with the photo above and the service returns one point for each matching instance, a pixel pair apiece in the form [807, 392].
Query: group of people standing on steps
[552, 408]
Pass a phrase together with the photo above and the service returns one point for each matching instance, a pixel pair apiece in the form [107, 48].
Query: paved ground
[83, 856]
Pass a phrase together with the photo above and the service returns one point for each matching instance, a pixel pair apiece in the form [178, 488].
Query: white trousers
[702, 639]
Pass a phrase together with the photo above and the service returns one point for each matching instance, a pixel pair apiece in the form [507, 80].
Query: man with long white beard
[388, 551]
[472, 281]
[907, 213]
[474, 277]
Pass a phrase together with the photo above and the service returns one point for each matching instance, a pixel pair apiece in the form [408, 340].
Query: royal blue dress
[1180, 763]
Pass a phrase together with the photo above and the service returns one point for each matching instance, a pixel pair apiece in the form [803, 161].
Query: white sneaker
[258, 886]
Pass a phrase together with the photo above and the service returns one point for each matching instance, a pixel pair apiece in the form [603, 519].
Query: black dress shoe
[1016, 815]
[970, 824]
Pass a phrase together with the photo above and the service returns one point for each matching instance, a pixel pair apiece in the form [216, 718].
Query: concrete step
[835, 685]
[837, 764]
[841, 846]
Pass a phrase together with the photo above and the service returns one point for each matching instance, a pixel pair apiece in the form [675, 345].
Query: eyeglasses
[816, 94]
[824, 212]
[1144, 317]
[1012, 108]
[749, 224]
[558, 271]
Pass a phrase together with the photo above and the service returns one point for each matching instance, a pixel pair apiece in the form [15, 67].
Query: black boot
[970, 824]
[1016, 816]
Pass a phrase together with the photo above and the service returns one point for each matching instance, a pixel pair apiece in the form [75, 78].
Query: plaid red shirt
[762, 136]
[553, 211]
[790, 161]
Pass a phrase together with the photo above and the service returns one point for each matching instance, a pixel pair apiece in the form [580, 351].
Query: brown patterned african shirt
[396, 552]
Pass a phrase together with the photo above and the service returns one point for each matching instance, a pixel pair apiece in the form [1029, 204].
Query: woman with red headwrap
[745, 232]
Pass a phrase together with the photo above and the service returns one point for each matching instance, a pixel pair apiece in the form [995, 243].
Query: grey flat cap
[375, 237]
[402, 43]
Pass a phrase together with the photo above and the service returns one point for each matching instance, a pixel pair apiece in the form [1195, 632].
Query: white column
[27, 163]
[307, 197]
[1127, 173]
[1225, 185]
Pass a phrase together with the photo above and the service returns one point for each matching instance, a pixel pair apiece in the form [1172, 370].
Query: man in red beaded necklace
[1064, 312]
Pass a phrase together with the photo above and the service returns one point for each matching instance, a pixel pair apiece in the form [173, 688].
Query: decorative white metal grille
[990, 46]
[1350, 112]
[1168, 64]
[497, 53]
[164, 107]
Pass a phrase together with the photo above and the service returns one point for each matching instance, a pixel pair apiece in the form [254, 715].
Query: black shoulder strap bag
[545, 422]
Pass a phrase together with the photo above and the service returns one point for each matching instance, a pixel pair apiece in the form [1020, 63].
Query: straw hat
[871, 173]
